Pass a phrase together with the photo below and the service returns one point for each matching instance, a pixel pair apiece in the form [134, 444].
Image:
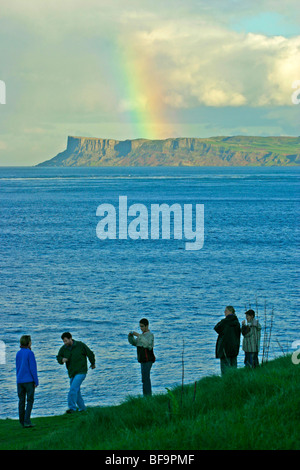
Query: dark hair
[66, 335]
[25, 340]
[251, 313]
[144, 321]
[230, 309]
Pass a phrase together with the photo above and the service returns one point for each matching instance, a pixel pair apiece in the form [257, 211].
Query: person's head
[25, 341]
[250, 314]
[229, 310]
[67, 338]
[144, 324]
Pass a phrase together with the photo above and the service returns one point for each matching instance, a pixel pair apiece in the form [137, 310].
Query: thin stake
[265, 335]
[195, 388]
[270, 332]
[182, 370]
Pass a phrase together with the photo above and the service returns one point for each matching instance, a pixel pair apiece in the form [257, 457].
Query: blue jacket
[26, 367]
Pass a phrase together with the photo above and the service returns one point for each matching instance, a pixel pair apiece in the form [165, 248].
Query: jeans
[25, 390]
[227, 362]
[74, 395]
[251, 359]
[145, 369]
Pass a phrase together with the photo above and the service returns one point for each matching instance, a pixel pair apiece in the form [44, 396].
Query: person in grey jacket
[251, 339]
[144, 343]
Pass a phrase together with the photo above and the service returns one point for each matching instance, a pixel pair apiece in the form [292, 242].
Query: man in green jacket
[73, 354]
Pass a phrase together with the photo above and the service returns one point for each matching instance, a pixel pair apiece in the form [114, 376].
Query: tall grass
[245, 409]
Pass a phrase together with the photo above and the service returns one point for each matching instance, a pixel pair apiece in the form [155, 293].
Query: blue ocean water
[56, 275]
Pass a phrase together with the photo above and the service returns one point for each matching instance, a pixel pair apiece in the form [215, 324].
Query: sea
[57, 275]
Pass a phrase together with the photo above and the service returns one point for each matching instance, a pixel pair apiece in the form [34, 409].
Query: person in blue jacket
[27, 380]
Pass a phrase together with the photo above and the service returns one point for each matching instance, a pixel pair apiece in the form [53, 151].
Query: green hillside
[246, 409]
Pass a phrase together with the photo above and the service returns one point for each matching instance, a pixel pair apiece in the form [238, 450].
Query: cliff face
[214, 151]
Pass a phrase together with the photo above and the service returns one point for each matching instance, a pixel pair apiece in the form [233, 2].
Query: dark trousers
[25, 390]
[251, 359]
[145, 369]
[227, 362]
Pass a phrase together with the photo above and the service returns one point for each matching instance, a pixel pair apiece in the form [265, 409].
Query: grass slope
[246, 409]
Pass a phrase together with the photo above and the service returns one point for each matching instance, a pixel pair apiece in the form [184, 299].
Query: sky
[128, 69]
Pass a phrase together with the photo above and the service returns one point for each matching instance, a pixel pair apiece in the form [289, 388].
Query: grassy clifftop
[246, 409]
[213, 151]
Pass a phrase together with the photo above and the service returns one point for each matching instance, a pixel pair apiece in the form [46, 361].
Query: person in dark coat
[228, 342]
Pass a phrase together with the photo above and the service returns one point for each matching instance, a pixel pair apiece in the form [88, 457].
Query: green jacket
[76, 355]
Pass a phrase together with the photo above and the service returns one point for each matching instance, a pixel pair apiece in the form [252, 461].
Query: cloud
[70, 63]
[213, 66]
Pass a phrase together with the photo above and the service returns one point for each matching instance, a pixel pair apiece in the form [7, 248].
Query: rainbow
[141, 94]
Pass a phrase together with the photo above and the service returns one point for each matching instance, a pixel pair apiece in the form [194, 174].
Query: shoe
[70, 411]
[29, 425]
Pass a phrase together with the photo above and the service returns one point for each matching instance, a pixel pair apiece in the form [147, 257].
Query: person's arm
[245, 329]
[33, 368]
[90, 355]
[60, 356]
[131, 339]
[219, 327]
